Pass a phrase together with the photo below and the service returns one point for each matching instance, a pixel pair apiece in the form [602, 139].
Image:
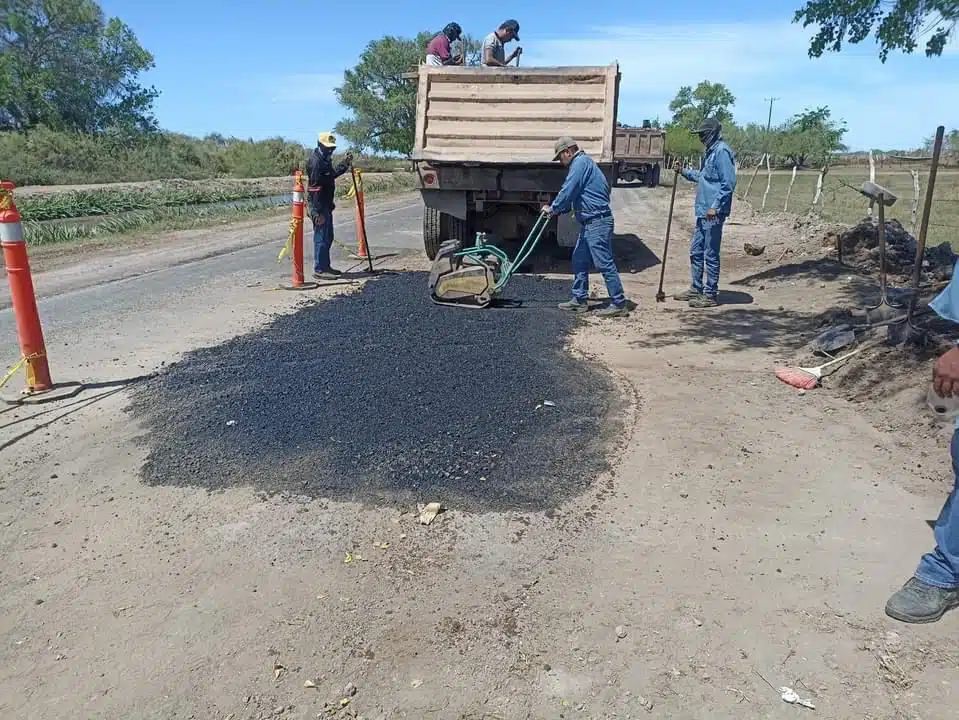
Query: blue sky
[240, 69]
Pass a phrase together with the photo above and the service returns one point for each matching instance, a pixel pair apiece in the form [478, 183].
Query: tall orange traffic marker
[297, 222]
[21, 289]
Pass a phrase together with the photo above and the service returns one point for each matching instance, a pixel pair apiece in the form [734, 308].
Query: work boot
[685, 295]
[574, 306]
[613, 311]
[918, 602]
[702, 301]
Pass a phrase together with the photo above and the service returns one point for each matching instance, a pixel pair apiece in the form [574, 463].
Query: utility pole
[769, 123]
[769, 120]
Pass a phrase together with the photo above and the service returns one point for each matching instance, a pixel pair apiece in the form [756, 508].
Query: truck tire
[656, 171]
[438, 228]
[650, 177]
[432, 232]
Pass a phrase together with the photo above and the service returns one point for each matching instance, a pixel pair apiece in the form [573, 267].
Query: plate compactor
[472, 277]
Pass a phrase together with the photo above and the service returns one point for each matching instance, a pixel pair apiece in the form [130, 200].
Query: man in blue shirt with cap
[586, 191]
[934, 588]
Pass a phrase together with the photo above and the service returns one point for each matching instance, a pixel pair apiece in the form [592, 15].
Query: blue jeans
[322, 239]
[704, 250]
[941, 566]
[595, 245]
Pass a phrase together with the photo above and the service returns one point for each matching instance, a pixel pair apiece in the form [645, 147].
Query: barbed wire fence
[830, 193]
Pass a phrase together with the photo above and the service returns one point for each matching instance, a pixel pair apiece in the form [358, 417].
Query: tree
[810, 136]
[690, 107]
[748, 142]
[381, 100]
[950, 144]
[470, 48]
[681, 142]
[63, 64]
[899, 25]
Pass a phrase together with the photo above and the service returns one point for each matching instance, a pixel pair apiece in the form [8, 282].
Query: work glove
[348, 158]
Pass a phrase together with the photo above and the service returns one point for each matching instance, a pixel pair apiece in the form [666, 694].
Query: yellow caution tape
[359, 185]
[287, 249]
[13, 371]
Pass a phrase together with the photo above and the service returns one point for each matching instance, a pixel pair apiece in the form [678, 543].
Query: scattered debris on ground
[860, 246]
[393, 399]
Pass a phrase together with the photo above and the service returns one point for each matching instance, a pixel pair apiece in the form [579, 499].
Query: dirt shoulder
[746, 537]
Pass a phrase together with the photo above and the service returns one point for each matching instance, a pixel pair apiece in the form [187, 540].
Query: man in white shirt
[494, 50]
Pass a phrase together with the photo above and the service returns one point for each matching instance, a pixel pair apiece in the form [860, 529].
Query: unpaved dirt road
[746, 538]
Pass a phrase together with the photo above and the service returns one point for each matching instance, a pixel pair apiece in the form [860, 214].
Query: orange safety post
[298, 211]
[21, 289]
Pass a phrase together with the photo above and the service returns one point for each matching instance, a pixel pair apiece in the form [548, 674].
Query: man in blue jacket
[715, 184]
[586, 192]
[934, 587]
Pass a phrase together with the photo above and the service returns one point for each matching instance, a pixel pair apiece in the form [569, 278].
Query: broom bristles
[797, 377]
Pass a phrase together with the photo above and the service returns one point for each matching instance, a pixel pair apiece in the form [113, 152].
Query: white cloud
[895, 104]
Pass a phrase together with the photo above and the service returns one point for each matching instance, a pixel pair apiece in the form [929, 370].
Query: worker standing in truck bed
[439, 50]
[494, 45]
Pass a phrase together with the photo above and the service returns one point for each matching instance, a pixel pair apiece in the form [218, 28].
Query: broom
[808, 378]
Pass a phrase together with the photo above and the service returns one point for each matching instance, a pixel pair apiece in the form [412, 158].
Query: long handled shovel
[660, 295]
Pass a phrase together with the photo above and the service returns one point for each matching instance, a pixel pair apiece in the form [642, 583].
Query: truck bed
[514, 115]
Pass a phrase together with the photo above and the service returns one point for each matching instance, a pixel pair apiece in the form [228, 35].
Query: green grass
[844, 205]
[46, 157]
[110, 201]
[162, 216]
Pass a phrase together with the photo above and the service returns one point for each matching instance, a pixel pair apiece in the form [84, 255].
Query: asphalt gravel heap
[382, 396]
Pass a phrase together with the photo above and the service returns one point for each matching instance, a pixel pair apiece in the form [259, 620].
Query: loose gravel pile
[385, 397]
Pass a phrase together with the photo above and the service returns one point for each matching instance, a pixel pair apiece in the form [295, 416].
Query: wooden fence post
[789, 190]
[915, 199]
[819, 197]
[755, 173]
[769, 182]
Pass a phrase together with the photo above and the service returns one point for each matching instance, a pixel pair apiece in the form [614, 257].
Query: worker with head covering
[494, 45]
[322, 176]
[439, 50]
[715, 184]
[586, 192]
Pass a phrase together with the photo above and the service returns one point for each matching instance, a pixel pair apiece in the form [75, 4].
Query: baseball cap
[326, 139]
[564, 143]
[512, 25]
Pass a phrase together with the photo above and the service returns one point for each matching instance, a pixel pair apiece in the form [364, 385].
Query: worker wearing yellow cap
[322, 184]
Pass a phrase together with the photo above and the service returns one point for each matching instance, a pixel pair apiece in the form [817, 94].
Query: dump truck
[483, 149]
[639, 154]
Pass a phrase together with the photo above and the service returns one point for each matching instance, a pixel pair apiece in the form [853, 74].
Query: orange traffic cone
[21, 289]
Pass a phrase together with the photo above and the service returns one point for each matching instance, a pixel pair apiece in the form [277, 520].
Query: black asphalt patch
[384, 397]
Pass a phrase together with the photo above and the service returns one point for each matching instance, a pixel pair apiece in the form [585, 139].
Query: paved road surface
[88, 300]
